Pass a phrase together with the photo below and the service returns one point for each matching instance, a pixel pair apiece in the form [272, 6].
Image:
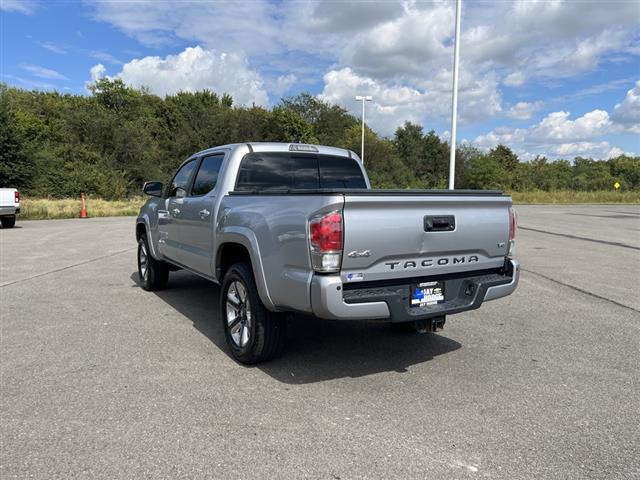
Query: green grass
[568, 197]
[45, 208]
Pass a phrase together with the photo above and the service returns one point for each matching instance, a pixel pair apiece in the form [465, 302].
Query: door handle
[204, 213]
[176, 211]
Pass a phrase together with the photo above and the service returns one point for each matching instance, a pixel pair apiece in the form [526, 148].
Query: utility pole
[454, 102]
[363, 98]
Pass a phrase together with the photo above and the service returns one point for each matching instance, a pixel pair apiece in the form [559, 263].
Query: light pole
[454, 101]
[363, 98]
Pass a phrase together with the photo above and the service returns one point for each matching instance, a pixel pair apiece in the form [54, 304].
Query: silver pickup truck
[297, 228]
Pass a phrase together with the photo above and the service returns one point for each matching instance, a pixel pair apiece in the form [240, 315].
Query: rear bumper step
[382, 300]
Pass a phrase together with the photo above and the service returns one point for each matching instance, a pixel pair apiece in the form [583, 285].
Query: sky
[553, 78]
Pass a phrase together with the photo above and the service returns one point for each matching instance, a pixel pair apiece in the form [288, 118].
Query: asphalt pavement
[100, 379]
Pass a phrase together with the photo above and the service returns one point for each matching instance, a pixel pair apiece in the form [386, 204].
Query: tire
[153, 274]
[8, 222]
[253, 333]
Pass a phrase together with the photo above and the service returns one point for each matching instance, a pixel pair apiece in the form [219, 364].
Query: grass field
[568, 197]
[44, 208]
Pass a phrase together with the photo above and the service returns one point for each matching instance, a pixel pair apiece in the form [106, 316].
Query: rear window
[284, 171]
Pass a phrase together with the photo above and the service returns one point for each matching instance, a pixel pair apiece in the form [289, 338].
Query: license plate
[427, 293]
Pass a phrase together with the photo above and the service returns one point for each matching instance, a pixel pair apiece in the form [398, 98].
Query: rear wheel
[8, 222]
[153, 274]
[253, 333]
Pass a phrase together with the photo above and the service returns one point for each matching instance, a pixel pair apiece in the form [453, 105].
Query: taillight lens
[325, 242]
[513, 221]
[17, 200]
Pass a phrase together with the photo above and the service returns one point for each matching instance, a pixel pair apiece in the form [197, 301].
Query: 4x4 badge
[357, 254]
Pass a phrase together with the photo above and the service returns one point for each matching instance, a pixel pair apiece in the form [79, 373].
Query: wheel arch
[236, 247]
[142, 228]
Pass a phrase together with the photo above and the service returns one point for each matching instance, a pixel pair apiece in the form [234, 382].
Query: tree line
[111, 141]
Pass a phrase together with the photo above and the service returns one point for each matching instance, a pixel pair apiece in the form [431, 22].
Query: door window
[181, 178]
[207, 175]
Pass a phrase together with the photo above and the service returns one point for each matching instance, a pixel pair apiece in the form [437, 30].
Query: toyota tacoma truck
[287, 228]
[9, 206]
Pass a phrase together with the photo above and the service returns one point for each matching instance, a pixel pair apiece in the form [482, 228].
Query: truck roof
[282, 147]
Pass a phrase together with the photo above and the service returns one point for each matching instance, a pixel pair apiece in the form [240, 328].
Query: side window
[181, 178]
[207, 175]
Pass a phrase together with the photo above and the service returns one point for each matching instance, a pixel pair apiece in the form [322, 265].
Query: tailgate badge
[357, 254]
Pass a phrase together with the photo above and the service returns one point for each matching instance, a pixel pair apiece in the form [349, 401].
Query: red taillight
[512, 224]
[325, 242]
[326, 233]
[17, 199]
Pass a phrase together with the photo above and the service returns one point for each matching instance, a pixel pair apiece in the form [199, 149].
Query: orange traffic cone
[83, 213]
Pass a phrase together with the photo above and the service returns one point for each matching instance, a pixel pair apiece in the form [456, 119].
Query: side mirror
[180, 192]
[153, 188]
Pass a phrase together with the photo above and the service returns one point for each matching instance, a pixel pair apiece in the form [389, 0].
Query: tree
[16, 167]
[109, 142]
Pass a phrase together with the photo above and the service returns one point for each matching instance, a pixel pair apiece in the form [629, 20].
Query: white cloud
[523, 110]
[97, 72]
[225, 26]
[626, 114]
[28, 83]
[105, 57]
[335, 17]
[556, 127]
[409, 45]
[391, 105]
[42, 72]
[283, 83]
[556, 136]
[52, 47]
[27, 7]
[394, 103]
[195, 69]
[399, 43]
[599, 150]
[514, 79]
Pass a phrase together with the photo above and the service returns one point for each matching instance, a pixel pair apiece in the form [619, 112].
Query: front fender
[245, 237]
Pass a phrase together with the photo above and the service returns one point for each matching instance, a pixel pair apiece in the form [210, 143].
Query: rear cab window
[264, 171]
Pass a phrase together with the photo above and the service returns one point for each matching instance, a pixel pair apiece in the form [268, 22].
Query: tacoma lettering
[430, 262]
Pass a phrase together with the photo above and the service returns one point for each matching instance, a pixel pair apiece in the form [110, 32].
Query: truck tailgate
[7, 197]
[389, 236]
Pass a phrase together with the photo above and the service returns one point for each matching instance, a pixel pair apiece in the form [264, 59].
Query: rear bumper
[9, 211]
[385, 300]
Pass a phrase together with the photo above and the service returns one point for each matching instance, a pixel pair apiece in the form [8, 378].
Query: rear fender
[248, 240]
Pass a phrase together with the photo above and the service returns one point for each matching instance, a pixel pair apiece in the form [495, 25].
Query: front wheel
[253, 333]
[153, 274]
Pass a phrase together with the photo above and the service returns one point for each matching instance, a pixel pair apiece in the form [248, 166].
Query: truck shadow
[317, 350]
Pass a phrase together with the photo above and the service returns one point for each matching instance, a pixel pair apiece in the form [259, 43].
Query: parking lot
[100, 379]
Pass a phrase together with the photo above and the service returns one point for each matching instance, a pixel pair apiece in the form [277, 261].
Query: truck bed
[373, 192]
